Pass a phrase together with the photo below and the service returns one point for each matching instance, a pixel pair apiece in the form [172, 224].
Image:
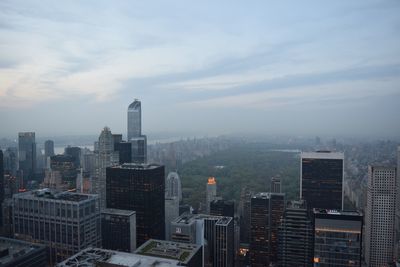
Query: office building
[397, 216]
[211, 192]
[62, 174]
[139, 187]
[321, 179]
[173, 186]
[27, 156]
[96, 257]
[10, 160]
[7, 208]
[105, 156]
[337, 238]
[220, 207]
[124, 150]
[186, 229]
[49, 148]
[75, 153]
[135, 137]
[276, 185]
[190, 255]
[17, 253]
[244, 215]
[266, 214]
[65, 222]
[296, 235]
[118, 230]
[171, 213]
[380, 215]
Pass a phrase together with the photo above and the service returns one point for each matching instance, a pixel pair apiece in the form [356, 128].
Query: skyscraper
[171, 213]
[173, 186]
[296, 236]
[266, 213]
[27, 155]
[211, 192]
[275, 185]
[1, 187]
[220, 207]
[105, 156]
[337, 238]
[380, 215]
[139, 187]
[321, 179]
[244, 215]
[134, 119]
[65, 222]
[48, 148]
[75, 153]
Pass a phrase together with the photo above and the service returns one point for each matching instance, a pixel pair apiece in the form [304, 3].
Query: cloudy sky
[206, 67]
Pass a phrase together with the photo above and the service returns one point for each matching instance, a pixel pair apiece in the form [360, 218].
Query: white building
[173, 186]
[380, 215]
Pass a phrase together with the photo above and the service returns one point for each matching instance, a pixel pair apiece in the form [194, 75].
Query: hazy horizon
[290, 68]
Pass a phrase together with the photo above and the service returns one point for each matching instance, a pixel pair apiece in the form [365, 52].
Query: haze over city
[306, 67]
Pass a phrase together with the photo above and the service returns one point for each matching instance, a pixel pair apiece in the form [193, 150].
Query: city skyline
[204, 67]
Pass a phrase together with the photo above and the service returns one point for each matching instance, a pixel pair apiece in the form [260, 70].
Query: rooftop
[191, 218]
[90, 257]
[267, 195]
[55, 195]
[10, 249]
[322, 155]
[337, 212]
[182, 252]
[118, 212]
[137, 166]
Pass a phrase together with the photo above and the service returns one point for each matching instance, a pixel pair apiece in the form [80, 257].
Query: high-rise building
[139, 187]
[275, 185]
[187, 229]
[173, 186]
[397, 217]
[244, 215]
[337, 238]
[27, 155]
[49, 148]
[17, 253]
[118, 230]
[124, 150]
[321, 179]
[135, 137]
[105, 156]
[134, 119]
[266, 214]
[75, 153]
[10, 160]
[65, 222]
[220, 207]
[380, 215]
[1, 187]
[62, 173]
[296, 236]
[171, 213]
[190, 255]
[211, 192]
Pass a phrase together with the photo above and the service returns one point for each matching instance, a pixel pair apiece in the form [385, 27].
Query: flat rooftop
[55, 195]
[137, 166]
[91, 256]
[336, 212]
[266, 195]
[322, 155]
[13, 248]
[118, 212]
[182, 252]
[191, 218]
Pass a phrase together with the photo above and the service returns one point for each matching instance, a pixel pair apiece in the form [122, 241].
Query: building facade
[171, 213]
[337, 238]
[380, 215]
[27, 155]
[118, 230]
[135, 137]
[211, 192]
[173, 186]
[65, 222]
[267, 211]
[321, 179]
[139, 187]
[17, 253]
[220, 207]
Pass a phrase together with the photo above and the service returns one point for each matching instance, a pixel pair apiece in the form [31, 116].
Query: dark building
[184, 208]
[220, 207]
[190, 255]
[276, 185]
[10, 160]
[244, 215]
[27, 155]
[296, 236]
[321, 176]
[139, 149]
[139, 187]
[75, 153]
[65, 164]
[16, 253]
[117, 138]
[337, 238]
[224, 252]
[266, 214]
[1, 187]
[48, 148]
[118, 230]
[124, 151]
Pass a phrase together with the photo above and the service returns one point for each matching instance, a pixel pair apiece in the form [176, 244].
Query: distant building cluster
[111, 206]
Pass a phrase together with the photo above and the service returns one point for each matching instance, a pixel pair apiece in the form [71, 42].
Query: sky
[201, 67]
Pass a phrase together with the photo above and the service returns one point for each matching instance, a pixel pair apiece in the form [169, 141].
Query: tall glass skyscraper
[27, 155]
[134, 119]
[321, 179]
